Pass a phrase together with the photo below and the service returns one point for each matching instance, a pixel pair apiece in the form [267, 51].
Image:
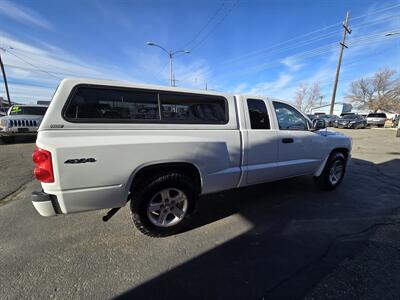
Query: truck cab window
[289, 118]
[258, 114]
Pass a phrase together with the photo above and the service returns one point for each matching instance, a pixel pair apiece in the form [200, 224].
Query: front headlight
[3, 123]
[352, 122]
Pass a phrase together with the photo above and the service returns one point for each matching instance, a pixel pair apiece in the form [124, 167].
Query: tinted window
[289, 118]
[28, 110]
[350, 117]
[377, 115]
[112, 104]
[258, 114]
[187, 108]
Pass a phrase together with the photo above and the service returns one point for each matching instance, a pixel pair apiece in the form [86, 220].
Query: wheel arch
[188, 168]
[343, 150]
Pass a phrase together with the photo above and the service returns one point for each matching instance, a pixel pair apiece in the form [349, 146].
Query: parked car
[21, 120]
[312, 117]
[352, 121]
[329, 119]
[377, 119]
[95, 150]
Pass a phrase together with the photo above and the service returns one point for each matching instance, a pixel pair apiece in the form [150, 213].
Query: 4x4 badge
[80, 161]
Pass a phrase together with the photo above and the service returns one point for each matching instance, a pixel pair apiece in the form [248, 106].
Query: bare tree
[300, 96]
[379, 92]
[306, 96]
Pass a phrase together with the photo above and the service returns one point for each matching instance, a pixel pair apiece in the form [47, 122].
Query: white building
[338, 109]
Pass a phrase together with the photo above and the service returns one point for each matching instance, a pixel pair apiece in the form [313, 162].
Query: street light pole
[170, 70]
[171, 55]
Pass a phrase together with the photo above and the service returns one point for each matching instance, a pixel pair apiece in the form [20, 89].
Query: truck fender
[158, 162]
[322, 166]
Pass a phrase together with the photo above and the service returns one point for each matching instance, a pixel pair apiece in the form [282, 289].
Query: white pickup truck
[104, 143]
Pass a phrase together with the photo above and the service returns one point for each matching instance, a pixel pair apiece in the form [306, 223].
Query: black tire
[324, 181]
[8, 139]
[144, 192]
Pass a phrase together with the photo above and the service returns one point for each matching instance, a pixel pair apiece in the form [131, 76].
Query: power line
[364, 40]
[376, 11]
[255, 53]
[260, 52]
[36, 70]
[29, 63]
[210, 20]
[211, 31]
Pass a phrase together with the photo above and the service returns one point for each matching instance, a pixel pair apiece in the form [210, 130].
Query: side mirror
[319, 124]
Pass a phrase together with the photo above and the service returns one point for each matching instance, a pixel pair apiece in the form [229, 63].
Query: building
[338, 109]
[43, 102]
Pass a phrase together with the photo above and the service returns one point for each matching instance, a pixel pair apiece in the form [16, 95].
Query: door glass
[289, 118]
[258, 114]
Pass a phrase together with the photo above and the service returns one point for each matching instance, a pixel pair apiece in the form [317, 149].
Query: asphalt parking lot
[272, 241]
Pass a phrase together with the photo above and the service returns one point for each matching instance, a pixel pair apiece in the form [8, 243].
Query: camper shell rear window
[103, 104]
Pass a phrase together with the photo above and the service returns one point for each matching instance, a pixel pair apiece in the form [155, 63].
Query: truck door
[262, 145]
[296, 152]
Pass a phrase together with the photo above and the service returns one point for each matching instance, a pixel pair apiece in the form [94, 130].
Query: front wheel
[161, 207]
[333, 173]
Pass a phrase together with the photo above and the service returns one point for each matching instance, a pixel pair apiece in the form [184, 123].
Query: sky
[266, 47]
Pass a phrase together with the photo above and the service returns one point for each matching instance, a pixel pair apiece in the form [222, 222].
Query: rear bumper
[45, 204]
[345, 125]
[376, 122]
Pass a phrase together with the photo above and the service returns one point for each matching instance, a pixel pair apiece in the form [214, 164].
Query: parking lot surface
[276, 240]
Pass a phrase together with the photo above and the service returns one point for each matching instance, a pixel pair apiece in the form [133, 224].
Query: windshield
[28, 110]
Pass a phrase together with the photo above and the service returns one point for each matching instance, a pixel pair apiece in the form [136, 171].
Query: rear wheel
[162, 205]
[333, 173]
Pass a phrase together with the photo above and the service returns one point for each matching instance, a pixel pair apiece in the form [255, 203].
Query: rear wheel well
[187, 169]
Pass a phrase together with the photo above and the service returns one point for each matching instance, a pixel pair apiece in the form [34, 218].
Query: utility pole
[343, 45]
[320, 100]
[5, 79]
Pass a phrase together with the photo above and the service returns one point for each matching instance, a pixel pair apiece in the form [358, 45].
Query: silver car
[21, 120]
[377, 119]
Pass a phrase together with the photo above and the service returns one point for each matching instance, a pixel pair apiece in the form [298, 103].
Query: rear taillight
[44, 168]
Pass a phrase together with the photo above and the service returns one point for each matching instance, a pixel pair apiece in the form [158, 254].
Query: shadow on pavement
[299, 234]
[20, 140]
